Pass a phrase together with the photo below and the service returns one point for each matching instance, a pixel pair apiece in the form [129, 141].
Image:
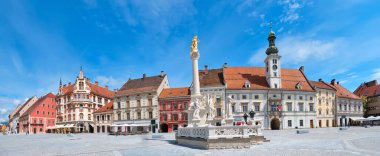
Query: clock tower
[272, 62]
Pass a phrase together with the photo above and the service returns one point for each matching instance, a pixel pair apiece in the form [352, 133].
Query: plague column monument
[200, 133]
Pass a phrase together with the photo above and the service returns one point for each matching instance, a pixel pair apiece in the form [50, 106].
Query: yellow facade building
[326, 104]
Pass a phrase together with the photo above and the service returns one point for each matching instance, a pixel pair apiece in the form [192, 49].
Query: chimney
[302, 68]
[144, 75]
[96, 82]
[320, 80]
[162, 73]
[88, 79]
[337, 82]
[333, 81]
[106, 86]
[206, 69]
[225, 65]
[69, 83]
[64, 85]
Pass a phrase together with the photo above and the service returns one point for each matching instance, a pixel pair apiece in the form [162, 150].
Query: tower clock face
[274, 67]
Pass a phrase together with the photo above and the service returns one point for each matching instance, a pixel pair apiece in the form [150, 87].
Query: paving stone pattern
[322, 141]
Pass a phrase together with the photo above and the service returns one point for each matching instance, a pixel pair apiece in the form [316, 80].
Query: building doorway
[175, 127]
[275, 124]
[320, 123]
[164, 128]
[34, 130]
[90, 128]
[312, 123]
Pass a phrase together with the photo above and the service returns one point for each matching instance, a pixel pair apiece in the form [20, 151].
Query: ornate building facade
[136, 105]
[326, 108]
[76, 103]
[281, 98]
[173, 105]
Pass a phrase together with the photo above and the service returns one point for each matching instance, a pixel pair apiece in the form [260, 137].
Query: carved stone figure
[210, 108]
[196, 107]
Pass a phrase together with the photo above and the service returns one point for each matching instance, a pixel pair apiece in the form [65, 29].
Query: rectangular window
[311, 107]
[118, 105]
[256, 97]
[128, 116]
[150, 103]
[175, 117]
[233, 108]
[311, 98]
[174, 105]
[244, 97]
[289, 97]
[218, 111]
[164, 117]
[301, 123]
[289, 107]
[327, 123]
[139, 115]
[301, 97]
[185, 105]
[150, 115]
[244, 107]
[289, 123]
[300, 107]
[257, 107]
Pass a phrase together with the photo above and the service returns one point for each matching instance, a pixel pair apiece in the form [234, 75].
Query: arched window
[81, 116]
[81, 86]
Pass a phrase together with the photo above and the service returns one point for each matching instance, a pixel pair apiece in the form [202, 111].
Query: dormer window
[247, 84]
[298, 85]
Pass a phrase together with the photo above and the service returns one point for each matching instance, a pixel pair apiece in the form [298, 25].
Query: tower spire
[81, 73]
[272, 49]
[60, 82]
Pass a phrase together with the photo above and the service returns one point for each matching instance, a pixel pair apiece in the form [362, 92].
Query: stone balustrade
[216, 132]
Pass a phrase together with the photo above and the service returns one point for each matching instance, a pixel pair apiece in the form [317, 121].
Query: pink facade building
[40, 116]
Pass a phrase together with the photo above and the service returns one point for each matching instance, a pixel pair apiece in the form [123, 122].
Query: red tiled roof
[68, 89]
[322, 85]
[37, 103]
[235, 78]
[371, 88]
[106, 108]
[95, 89]
[211, 78]
[98, 90]
[343, 92]
[141, 85]
[175, 92]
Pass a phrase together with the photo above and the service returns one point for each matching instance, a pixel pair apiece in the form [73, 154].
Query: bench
[343, 128]
[157, 136]
[302, 131]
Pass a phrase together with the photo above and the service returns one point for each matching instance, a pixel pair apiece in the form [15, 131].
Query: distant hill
[5, 123]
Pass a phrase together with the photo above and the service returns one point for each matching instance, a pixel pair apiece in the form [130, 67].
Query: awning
[132, 125]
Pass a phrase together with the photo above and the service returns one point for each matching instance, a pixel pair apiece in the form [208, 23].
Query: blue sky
[43, 41]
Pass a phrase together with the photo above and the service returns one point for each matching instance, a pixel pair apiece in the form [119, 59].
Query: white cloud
[3, 111]
[376, 74]
[109, 80]
[7, 101]
[300, 49]
[291, 9]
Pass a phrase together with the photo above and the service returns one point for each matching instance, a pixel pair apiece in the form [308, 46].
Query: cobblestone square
[326, 141]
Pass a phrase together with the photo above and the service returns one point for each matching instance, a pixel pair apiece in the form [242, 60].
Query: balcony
[81, 100]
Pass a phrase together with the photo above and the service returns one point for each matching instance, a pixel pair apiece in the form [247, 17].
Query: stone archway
[164, 128]
[275, 124]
